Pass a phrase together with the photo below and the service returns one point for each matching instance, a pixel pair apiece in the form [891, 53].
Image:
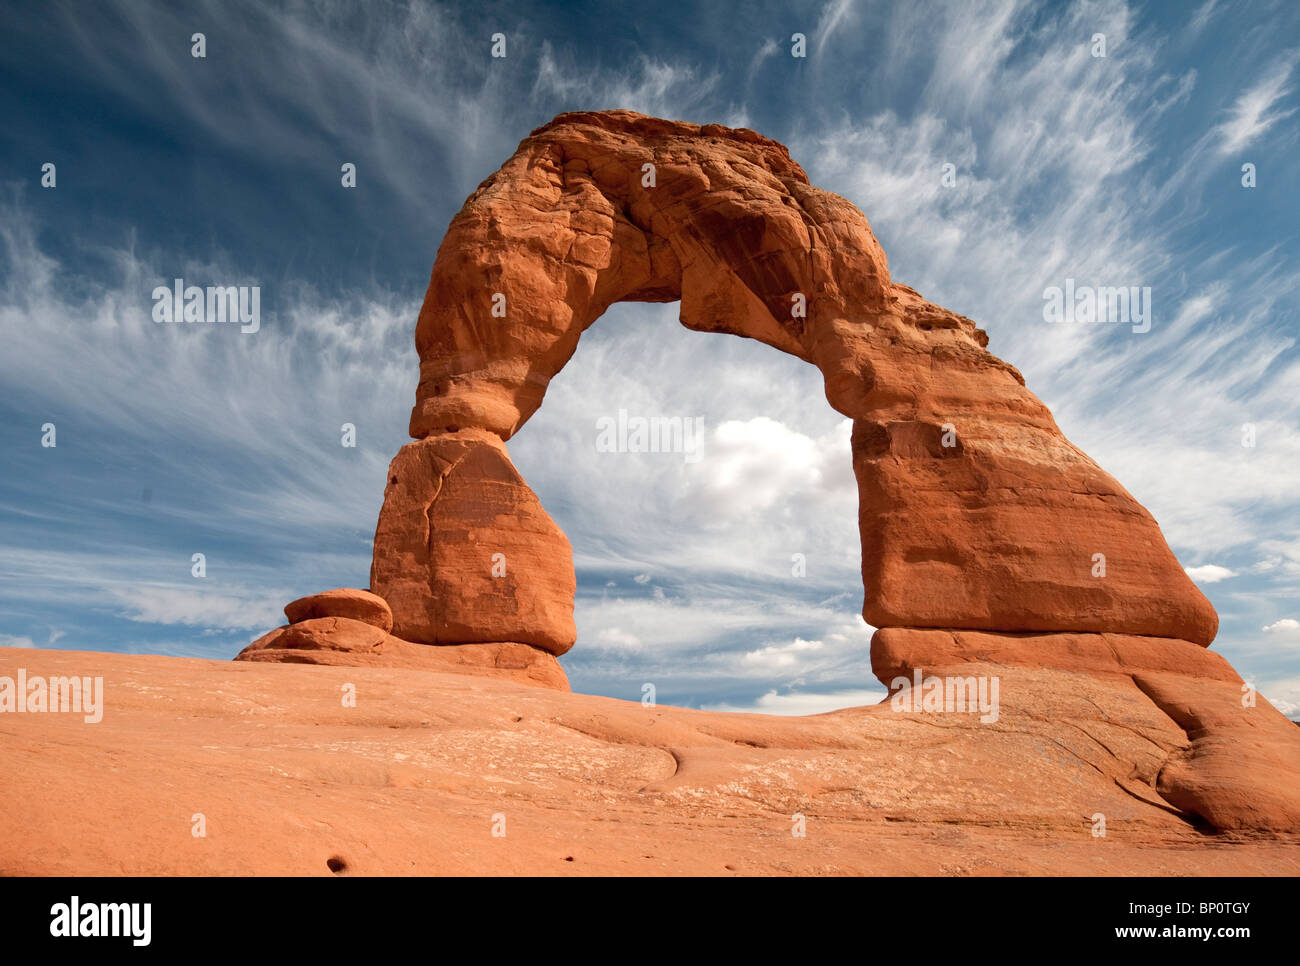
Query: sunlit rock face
[995, 554]
[975, 511]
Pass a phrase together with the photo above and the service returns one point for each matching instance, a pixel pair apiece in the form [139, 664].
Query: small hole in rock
[336, 864]
[568, 858]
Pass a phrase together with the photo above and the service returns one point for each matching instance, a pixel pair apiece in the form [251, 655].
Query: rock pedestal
[351, 628]
[464, 552]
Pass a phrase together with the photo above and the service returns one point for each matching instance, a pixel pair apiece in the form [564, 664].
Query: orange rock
[322, 634]
[359, 605]
[340, 642]
[896, 651]
[464, 552]
[1233, 760]
[975, 511]
[1010, 529]
[409, 780]
[1242, 768]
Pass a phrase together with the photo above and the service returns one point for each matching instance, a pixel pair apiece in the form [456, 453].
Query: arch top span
[974, 510]
[598, 208]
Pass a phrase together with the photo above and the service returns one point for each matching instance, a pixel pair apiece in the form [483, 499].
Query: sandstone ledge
[338, 641]
[408, 781]
[1227, 756]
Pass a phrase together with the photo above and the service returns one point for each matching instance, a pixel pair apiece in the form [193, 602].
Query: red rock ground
[409, 780]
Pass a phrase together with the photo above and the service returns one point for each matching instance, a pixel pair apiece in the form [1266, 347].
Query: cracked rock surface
[411, 779]
[992, 547]
[975, 510]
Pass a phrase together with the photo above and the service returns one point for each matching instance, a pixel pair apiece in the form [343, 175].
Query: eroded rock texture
[359, 605]
[1000, 529]
[991, 545]
[339, 642]
[405, 783]
[464, 551]
[1171, 722]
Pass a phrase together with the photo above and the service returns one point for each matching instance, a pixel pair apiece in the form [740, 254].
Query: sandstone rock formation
[989, 541]
[464, 551]
[350, 627]
[1236, 763]
[409, 780]
[358, 605]
[998, 530]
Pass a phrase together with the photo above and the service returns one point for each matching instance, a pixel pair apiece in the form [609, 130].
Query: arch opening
[719, 574]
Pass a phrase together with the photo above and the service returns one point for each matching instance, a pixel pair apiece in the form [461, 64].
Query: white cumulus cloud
[1209, 573]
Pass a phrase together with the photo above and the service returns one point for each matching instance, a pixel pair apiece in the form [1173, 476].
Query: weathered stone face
[464, 552]
[994, 552]
[1236, 763]
[975, 511]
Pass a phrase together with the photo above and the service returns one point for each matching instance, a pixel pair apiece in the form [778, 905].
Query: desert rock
[323, 634]
[975, 511]
[358, 605]
[338, 641]
[991, 546]
[1228, 757]
[464, 552]
[292, 782]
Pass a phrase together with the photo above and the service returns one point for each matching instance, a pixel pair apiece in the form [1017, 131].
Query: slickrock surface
[898, 650]
[412, 779]
[1236, 764]
[340, 641]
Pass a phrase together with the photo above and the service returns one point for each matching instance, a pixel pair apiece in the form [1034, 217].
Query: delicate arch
[974, 510]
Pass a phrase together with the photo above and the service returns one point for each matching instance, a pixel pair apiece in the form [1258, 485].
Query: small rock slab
[357, 605]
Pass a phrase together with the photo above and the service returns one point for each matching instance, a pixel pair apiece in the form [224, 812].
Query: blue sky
[1115, 170]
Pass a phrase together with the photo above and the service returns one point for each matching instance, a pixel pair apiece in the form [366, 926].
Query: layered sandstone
[347, 602]
[410, 780]
[990, 544]
[1236, 763]
[351, 627]
[464, 552]
[975, 511]
[338, 642]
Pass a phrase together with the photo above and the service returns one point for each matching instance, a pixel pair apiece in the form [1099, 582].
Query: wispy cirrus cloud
[173, 605]
[1257, 109]
[1107, 170]
[799, 702]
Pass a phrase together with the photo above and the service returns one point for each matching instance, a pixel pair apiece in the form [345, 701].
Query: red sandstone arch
[999, 532]
[976, 557]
